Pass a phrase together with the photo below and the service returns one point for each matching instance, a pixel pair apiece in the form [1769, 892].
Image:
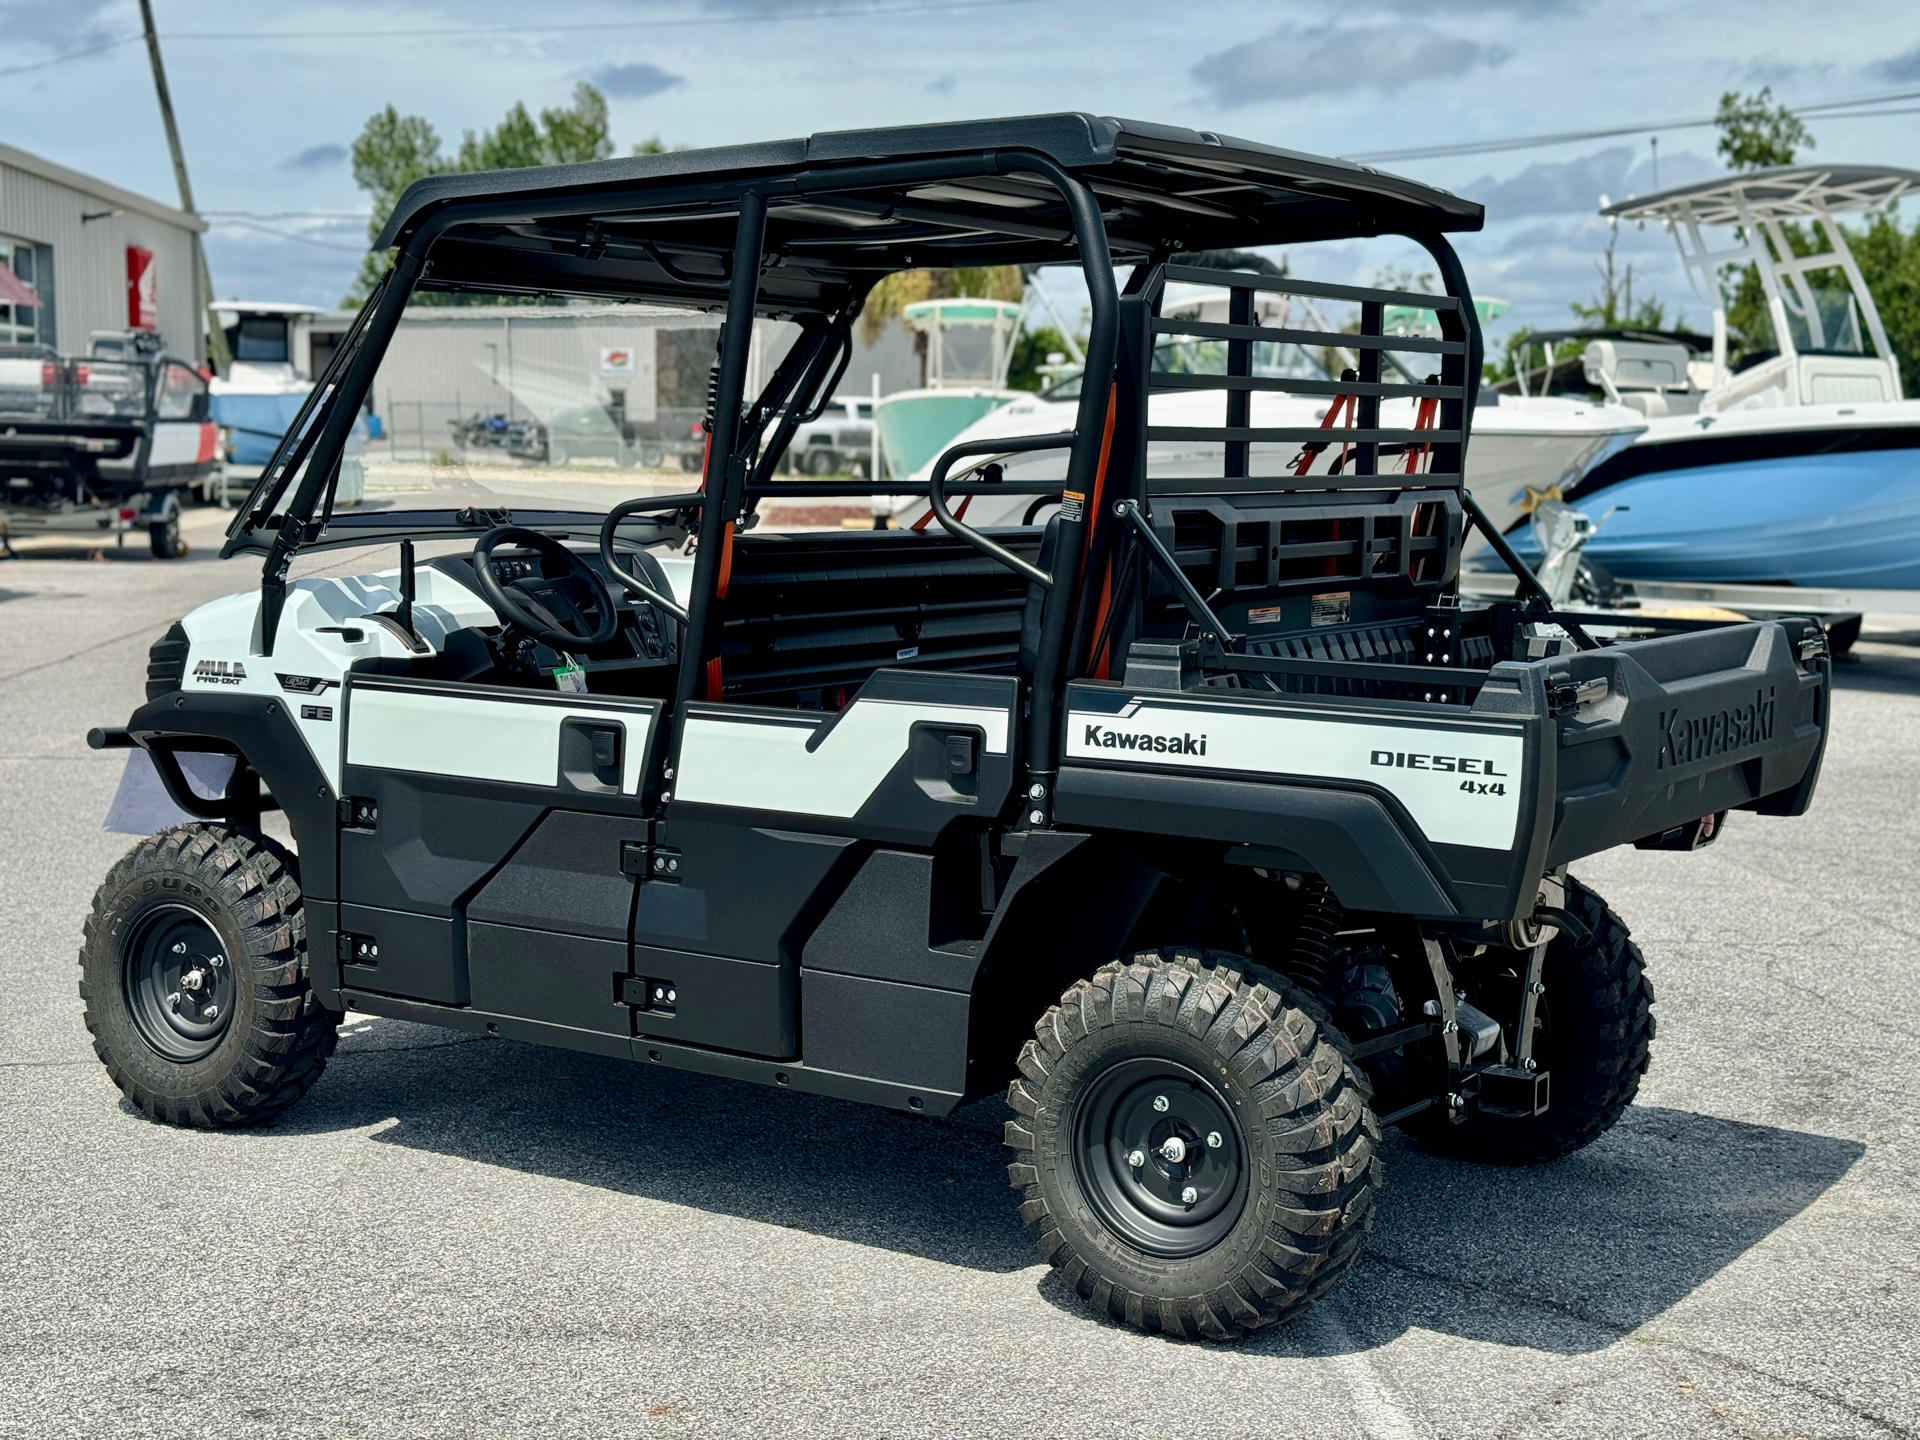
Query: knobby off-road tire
[1594, 1039]
[193, 970]
[1283, 1201]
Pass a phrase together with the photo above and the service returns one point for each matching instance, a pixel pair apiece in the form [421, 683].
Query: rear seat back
[808, 617]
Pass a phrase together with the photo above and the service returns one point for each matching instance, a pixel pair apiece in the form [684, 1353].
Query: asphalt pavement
[457, 1236]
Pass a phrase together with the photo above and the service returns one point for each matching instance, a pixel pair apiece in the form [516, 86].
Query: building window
[29, 270]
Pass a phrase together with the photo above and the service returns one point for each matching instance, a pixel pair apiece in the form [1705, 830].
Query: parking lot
[457, 1236]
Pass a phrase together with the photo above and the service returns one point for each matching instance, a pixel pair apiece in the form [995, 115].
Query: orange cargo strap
[1429, 407]
[713, 685]
[1100, 638]
[1303, 462]
[960, 513]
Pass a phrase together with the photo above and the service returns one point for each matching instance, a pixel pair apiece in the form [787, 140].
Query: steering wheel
[523, 611]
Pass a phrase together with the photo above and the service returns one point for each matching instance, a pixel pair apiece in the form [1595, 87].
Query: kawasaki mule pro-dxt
[1197, 814]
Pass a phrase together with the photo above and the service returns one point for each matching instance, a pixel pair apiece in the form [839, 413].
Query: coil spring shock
[1310, 957]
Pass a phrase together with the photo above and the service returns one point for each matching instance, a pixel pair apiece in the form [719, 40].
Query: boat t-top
[1798, 466]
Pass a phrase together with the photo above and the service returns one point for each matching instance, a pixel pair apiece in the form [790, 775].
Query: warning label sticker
[1333, 608]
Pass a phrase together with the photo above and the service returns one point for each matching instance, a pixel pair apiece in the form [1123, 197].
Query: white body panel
[221, 644]
[480, 738]
[181, 442]
[762, 762]
[1471, 798]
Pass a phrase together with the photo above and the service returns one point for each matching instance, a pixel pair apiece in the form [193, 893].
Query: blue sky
[271, 95]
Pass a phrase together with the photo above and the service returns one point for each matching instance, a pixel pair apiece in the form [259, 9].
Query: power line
[286, 215]
[917, 7]
[1824, 109]
[234, 222]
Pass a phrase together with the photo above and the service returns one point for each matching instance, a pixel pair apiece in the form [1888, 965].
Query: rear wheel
[194, 977]
[1593, 1036]
[163, 537]
[1194, 1155]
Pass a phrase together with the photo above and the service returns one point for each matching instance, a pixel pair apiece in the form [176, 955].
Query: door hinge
[647, 861]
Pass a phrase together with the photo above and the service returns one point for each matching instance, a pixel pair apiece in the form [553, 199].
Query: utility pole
[216, 337]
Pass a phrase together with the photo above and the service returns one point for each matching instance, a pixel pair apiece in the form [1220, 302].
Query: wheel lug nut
[1189, 1195]
[212, 1012]
[1160, 1103]
[216, 961]
[1214, 1142]
[179, 947]
[1137, 1159]
[173, 1001]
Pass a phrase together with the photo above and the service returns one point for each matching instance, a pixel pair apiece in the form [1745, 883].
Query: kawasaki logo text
[1685, 738]
[1157, 744]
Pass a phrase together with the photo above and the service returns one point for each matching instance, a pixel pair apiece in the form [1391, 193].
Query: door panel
[447, 786]
[773, 813]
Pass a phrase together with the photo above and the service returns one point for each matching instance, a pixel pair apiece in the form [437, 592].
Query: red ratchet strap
[959, 513]
[1304, 461]
[1095, 514]
[1429, 408]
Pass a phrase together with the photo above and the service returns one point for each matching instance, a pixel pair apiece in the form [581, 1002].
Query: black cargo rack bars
[1435, 443]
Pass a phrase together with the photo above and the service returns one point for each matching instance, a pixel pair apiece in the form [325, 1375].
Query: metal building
[78, 255]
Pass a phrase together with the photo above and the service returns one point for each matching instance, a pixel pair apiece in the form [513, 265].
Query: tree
[1032, 349]
[1755, 133]
[1889, 260]
[1613, 307]
[394, 150]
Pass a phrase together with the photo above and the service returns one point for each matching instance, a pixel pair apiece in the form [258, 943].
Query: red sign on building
[143, 290]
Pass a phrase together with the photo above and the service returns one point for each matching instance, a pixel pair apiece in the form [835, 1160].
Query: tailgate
[1732, 718]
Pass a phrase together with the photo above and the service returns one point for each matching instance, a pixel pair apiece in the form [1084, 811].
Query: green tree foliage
[1030, 351]
[394, 150]
[1889, 259]
[1755, 133]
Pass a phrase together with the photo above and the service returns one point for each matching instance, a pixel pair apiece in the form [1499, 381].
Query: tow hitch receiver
[1514, 1093]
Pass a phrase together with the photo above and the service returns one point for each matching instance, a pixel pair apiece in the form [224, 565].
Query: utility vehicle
[1199, 816]
[106, 442]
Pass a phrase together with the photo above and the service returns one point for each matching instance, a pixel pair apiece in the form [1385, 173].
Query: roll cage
[801, 230]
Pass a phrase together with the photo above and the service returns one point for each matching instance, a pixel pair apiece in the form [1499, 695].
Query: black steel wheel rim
[1169, 1199]
[179, 983]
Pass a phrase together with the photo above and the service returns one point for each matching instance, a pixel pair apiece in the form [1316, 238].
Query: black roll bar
[997, 449]
[628, 581]
[1190, 595]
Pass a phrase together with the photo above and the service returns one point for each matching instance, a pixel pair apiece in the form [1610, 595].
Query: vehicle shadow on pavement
[1571, 1257]
[1567, 1257]
[934, 1189]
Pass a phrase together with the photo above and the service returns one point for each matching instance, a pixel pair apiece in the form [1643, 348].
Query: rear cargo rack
[1438, 442]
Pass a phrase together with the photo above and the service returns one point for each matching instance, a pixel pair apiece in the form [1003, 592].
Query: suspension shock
[1317, 924]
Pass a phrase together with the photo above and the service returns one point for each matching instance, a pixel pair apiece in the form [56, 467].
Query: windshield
[553, 407]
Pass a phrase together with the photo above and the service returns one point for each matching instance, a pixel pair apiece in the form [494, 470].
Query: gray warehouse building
[79, 255]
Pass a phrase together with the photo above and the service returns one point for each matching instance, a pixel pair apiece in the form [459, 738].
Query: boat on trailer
[1799, 469]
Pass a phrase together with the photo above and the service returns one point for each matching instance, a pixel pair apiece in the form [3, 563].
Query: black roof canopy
[848, 206]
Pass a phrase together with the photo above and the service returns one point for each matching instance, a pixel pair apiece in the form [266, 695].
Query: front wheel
[194, 977]
[1192, 1153]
